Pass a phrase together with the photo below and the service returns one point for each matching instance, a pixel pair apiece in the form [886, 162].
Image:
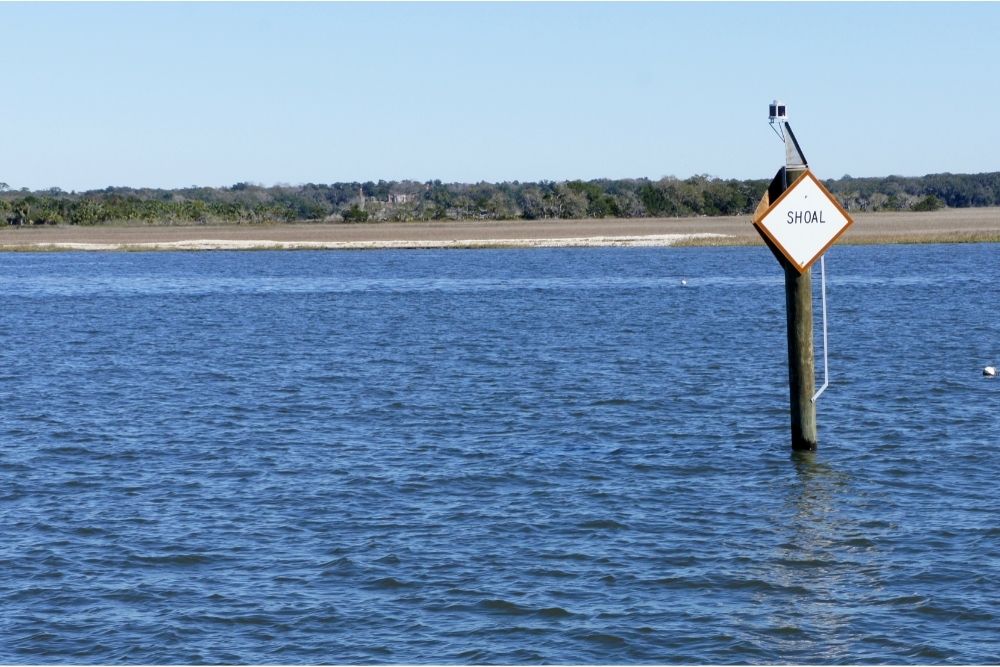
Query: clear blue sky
[169, 95]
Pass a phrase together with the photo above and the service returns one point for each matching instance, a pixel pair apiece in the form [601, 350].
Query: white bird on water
[990, 371]
[683, 282]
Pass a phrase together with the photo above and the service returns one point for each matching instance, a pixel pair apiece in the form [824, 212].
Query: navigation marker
[803, 222]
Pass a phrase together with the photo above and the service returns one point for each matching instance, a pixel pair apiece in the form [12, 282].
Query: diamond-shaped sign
[804, 221]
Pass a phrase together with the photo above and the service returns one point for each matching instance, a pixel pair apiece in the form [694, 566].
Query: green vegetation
[246, 203]
[355, 214]
[928, 203]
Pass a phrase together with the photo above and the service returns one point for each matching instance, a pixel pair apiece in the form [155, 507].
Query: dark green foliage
[906, 192]
[355, 214]
[600, 204]
[248, 203]
[928, 203]
[660, 200]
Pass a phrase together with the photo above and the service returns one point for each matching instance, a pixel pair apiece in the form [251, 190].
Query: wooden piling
[798, 309]
[801, 360]
[801, 367]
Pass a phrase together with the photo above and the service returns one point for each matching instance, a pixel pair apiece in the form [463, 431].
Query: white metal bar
[826, 367]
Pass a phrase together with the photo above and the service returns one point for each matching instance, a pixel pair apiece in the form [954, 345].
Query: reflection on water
[808, 562]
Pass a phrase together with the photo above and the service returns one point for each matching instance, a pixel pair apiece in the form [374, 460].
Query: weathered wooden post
[799, 220]
[801, 365]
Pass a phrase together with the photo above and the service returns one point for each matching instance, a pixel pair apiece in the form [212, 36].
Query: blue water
[494, 456]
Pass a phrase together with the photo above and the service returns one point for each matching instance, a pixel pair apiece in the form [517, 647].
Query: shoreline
[976, 225]
[661, 240]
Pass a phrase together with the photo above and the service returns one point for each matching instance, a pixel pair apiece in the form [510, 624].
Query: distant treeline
[246, 203]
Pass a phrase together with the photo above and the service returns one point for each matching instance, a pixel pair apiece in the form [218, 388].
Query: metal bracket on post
[826, 366]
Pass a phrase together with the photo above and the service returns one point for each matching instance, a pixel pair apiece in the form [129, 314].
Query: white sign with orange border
[804, 221]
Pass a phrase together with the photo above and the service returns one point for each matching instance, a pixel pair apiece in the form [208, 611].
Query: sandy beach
[947, 226]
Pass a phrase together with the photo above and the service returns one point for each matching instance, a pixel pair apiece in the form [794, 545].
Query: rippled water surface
[492, 456]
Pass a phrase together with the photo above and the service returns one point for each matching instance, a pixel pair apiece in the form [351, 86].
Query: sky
[173, 95]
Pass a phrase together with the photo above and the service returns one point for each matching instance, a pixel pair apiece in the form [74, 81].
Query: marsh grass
[974, 225]
[878, 238]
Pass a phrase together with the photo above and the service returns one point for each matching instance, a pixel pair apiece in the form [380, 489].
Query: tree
[530, 202]
[355, 214]
[928, 203]
[21, 210]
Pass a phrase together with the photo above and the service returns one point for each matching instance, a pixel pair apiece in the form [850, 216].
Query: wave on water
[496, 457]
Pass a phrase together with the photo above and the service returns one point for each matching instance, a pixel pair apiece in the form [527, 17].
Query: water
[494, 456]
